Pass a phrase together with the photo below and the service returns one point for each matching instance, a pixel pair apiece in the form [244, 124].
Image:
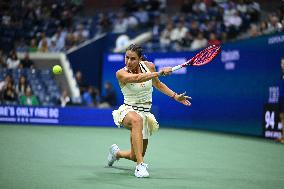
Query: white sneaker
[141, 170]
[112, 154]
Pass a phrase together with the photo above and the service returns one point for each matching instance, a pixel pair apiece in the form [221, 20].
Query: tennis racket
[203, 57]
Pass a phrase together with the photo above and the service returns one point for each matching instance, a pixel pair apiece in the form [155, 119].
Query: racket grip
[176, 68]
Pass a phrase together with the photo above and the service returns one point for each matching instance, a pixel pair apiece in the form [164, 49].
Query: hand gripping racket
[203, 57]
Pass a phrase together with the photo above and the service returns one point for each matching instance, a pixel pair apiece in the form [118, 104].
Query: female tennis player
[136, 80]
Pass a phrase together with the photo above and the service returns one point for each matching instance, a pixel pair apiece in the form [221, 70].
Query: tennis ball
[57, 69]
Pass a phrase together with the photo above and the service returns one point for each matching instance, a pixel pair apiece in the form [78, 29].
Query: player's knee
[136, 121]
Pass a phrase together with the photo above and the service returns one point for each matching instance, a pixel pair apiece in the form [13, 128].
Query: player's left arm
[182, 98]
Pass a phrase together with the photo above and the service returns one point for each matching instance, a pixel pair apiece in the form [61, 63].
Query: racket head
[205, 56]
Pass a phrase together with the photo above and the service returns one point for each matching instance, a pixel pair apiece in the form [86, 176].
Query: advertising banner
[56, 116]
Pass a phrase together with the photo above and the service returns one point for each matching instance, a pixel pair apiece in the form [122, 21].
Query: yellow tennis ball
[57, 69]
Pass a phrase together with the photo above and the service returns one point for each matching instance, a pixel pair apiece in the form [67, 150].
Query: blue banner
[56, 116]
[228, 94]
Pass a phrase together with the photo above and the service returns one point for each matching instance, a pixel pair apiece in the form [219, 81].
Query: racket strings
[206, 55]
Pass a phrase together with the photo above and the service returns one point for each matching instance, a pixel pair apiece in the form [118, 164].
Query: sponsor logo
[229, 57]
[29, 114]
[115, 58]
[276, 39]
[170, 62]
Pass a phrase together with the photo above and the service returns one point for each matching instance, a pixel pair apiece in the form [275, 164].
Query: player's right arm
[125, 77]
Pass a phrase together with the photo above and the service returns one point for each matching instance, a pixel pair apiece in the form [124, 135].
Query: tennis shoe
[141, 170]
[112, 154]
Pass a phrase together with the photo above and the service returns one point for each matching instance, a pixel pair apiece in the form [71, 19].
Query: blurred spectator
[65, 99]
[109, 99]
[2, 60]
[104, 24]
[264, 27]
[224, 37]
[81, 33]
[3, 83]
[142, 16]
[186, 6]
[199, 42]
[70, 41]
[253, 10]
[233, 23]
[53, 46]
[274, 25]
[96, 96]
[13, 61]
[132, 23]
[194, 28]
[43, 46]
[88, 97]
[165, 38]
[157, 28]
[120, 24]
[242, 7]
[27, 62]
[44, 43]
[252, 33]
[81, 83]
[199, 6]
[22, 86]
[186, 41]
[9, 93]
[57, 41]
[33, 47]
[28, 99]
[179, 32]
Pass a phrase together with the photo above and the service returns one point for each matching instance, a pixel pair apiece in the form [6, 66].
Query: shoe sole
[143, 176]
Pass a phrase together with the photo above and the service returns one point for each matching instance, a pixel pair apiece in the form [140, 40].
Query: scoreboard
[272, 127]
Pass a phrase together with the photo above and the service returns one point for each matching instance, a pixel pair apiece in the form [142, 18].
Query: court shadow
[108, 175]
[119, 168]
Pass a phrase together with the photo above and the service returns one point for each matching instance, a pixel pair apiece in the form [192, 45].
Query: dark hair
[138, 49]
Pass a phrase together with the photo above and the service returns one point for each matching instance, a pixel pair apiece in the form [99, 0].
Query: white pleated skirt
[150, 124]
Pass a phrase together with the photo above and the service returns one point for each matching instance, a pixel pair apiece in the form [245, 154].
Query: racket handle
[176, 68]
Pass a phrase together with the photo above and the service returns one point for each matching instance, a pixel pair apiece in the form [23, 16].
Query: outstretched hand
[182, 98]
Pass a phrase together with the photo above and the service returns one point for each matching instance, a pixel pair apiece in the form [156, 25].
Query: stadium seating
[42, 83]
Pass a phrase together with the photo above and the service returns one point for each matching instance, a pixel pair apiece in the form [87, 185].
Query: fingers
[184, 99]
[187, 103]
[187, 97]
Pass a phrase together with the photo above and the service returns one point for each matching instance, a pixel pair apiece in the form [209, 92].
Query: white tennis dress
[138, 98]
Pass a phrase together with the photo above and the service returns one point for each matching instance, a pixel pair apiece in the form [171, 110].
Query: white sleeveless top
[138, 93]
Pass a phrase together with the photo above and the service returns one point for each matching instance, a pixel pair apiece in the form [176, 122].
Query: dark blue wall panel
[228, 94]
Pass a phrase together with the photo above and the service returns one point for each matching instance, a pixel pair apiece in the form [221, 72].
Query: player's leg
[115, 153]
[134, 122]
